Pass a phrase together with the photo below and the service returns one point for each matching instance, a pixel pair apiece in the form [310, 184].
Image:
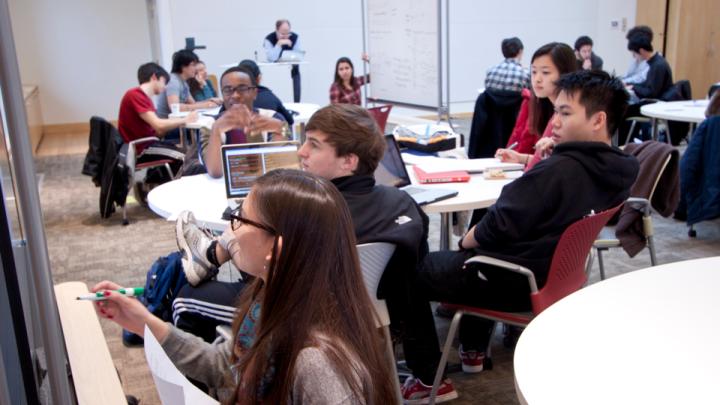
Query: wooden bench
[94, 375]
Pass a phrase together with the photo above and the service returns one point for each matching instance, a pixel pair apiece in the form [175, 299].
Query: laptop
[291, 56]
[391, 172]
[244, 163]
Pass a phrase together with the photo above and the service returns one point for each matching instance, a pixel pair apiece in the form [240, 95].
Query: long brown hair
[314, 295]
[541, 109]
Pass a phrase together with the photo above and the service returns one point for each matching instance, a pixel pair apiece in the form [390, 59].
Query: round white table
[206, 198]
[692, 111]
[651, 336]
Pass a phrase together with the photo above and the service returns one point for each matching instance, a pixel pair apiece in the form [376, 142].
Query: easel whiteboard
[404, 49]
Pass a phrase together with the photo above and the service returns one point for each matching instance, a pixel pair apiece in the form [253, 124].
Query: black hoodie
[526, 222]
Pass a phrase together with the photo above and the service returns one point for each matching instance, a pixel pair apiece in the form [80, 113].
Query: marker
[513, 146]
[98, 296]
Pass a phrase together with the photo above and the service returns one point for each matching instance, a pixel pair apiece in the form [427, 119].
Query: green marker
[99, 296]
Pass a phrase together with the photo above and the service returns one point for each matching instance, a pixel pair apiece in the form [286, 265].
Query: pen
[99, 296]
[513, 146]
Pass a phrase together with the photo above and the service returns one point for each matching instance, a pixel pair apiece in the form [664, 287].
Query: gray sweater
[316, 382]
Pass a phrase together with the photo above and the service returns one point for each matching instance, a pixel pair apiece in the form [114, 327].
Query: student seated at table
[317, 342]
[265, 98]
[201, 88]
[637, 71]
[237, 122]
[177, 90]
[659, 76]
[509, 75]
[346, 87]
[138, 119]
[548, 63]
[344, 145]
[583, 173]
[586, 58]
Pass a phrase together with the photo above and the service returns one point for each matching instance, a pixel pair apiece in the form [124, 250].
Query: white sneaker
[194, 243]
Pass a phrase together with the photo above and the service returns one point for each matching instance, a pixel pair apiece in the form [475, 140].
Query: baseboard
[69, 128]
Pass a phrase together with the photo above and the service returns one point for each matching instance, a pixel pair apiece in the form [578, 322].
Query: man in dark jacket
[659, 76]
[584, 173]
[343, 144]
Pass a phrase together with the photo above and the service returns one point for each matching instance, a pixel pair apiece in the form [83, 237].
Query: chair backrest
[713, 88]
[373, 259]
[567, 270]
[381, 115]
[214, 80]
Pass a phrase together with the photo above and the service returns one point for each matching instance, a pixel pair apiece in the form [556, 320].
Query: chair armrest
[639, 204]
[515, 268]
[141, 140]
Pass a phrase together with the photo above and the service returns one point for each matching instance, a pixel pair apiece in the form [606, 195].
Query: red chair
[381, 115]
[567, 274]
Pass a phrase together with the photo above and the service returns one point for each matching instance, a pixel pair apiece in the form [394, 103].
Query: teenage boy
[177, 90]
[343, 144]
[659, 75]
[583, 173]
[509, 74]
[587, 60]
[138, 118]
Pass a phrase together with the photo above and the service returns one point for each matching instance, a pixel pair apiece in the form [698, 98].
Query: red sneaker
[472, 360]
[415, 392]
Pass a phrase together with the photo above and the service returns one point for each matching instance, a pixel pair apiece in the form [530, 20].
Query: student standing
[282, 39]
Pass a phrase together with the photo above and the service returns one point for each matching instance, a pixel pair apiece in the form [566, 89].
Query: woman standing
[305, 331]
[346, 87]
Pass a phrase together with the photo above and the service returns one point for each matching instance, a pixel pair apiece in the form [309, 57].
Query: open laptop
[391, 172]
[291, 56]
[244, 163]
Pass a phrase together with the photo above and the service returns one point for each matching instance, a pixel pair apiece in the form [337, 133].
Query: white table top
[685, 111]
[651, 336]
[304, 110]
[206, 198]
[229, 65]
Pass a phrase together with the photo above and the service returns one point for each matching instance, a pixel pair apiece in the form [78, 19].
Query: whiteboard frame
[443, 103]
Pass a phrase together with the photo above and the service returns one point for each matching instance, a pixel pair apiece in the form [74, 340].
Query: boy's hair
[351, 129]
[511, 47]
[183, 58]
[240, 69]
[638, 42]
[146, 71]
[640, 30]
[582, 41]
[251, 66]
[597, 91]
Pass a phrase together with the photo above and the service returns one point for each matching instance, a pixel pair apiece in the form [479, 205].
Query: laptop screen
[244, 163]
[391, 170]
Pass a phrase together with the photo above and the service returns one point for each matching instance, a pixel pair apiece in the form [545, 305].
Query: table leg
[445, 230]
[653, 122]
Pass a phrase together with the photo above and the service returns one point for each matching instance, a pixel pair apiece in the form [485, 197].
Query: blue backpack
[164, 280]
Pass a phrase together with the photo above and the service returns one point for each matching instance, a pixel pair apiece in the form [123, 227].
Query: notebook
[244, 163]
[391, 172]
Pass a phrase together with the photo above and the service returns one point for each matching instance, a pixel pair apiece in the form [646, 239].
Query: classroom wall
[83, 54]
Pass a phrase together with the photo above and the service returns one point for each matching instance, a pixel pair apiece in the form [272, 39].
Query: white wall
[328, 30]
[477, 29]
[83, 54]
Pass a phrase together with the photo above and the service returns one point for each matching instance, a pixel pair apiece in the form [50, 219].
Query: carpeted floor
[84, 247]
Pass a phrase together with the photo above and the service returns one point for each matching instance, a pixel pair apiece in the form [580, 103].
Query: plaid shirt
[339, 94]
[508, 75]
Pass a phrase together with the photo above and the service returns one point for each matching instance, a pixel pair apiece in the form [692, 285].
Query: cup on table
[175, 108]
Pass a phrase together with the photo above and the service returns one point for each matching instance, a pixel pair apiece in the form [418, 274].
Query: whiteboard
[403, 48]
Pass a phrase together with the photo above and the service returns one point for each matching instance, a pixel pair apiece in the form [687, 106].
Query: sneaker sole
[187, 259]
[438, 399]
[472, 369]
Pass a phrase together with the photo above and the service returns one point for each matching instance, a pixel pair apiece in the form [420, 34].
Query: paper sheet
[172, 386]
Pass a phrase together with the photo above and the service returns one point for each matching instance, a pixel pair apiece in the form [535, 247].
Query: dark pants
[442, 277]
[295, 73]
[199, 310]
[160, 150]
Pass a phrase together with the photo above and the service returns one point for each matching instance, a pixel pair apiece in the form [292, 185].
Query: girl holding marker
[305, 329]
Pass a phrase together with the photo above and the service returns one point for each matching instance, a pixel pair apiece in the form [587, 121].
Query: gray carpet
[84, 247]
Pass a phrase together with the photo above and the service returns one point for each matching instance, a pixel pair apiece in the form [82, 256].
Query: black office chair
[493, 121]
[713, 88]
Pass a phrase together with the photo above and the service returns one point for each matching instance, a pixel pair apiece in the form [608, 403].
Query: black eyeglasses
[236, 220]
[228, 91]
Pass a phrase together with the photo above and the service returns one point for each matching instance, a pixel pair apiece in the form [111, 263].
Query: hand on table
[509, 156]
[191, 117]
